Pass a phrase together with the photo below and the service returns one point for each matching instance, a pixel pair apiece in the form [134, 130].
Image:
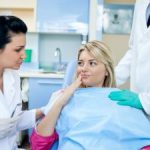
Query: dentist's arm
[47, 126]
[122, 70]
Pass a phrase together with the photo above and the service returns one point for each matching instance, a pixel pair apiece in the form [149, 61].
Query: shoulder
[139, 6]
[12, 74]
[138, 2]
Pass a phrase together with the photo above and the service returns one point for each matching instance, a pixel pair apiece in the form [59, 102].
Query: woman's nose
[85, 67]
[23, 55]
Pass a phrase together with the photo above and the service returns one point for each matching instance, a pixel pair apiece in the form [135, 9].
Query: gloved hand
[8, 126]
[126, 97]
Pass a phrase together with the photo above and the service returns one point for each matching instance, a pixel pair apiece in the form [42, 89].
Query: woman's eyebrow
[92, 60]
[20, 46]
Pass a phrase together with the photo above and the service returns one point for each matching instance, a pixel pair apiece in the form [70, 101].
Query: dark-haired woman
[12, 119]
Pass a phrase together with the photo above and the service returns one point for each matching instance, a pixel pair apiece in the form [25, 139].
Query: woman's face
[13, 53]
[92, 71]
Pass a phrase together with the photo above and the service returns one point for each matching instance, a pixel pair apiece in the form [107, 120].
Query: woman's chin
[85, 84]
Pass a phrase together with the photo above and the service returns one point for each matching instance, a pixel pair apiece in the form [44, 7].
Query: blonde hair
[103, 54]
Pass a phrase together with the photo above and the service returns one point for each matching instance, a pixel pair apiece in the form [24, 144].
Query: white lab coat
[8, 102]
[136, 63]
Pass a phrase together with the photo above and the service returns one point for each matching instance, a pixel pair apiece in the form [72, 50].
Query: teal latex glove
[127, 98]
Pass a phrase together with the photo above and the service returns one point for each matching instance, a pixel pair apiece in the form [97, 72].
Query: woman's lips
[84, 76]
[19, 63]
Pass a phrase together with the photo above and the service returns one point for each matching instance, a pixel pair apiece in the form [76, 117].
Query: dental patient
[81, 116]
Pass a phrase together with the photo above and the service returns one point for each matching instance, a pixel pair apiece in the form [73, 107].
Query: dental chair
[68, 78]
[69, 74]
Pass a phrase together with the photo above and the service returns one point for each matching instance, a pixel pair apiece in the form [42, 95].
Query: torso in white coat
[140, 69]
[9, 98]
[136, 63]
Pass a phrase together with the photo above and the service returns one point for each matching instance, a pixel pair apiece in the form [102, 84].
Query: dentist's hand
[127, 98]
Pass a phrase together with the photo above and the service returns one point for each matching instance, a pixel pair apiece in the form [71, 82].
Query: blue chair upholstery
[69, 74]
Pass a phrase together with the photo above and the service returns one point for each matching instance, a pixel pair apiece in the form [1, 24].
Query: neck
[1, 73]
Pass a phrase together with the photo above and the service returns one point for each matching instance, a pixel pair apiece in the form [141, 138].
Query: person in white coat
[12, 118]
[136, 62]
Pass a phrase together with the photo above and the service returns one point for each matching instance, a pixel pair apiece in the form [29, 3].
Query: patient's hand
[70, 90]
[61, 97]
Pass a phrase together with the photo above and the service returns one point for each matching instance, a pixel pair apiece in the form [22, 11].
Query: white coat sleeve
[122, 70]
[27, 120]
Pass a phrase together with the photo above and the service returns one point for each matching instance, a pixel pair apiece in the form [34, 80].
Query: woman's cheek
[78, 72]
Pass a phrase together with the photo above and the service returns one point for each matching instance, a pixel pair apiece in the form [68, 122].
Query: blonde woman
[94, 69]
[81, 115]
